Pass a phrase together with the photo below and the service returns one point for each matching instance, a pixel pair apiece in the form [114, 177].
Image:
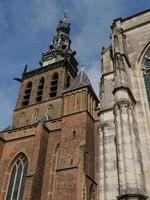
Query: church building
[65, 143]
[124, 132]
[48, 152]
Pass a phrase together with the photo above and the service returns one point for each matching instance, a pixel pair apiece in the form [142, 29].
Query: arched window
[54, 85]
[17, 179]
[27, 94]
[146, 68]
[40, 90]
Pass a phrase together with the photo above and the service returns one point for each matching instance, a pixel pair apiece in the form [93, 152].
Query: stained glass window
[146, 68]
[17, 179]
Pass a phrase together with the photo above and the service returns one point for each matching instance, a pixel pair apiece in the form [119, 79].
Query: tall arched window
[40, 90]
[146, 68]
[17, 179]
[27, 94]
[54, 85]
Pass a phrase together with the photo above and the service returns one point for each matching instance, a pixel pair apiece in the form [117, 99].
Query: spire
[81, 81]
[60, 49]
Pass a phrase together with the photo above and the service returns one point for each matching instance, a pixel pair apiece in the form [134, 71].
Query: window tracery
[17, 179]
[146, 72]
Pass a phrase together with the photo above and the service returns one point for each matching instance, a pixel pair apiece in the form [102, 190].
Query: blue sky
[27, 28]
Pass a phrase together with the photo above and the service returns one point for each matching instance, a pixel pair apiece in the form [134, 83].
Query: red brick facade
[61, 151]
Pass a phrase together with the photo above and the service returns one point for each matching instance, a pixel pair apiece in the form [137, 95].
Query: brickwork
[56, 134]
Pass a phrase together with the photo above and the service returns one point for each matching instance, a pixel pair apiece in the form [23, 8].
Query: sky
[27, 28]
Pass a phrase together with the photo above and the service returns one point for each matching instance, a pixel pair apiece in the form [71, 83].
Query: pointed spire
[60, 49]
[81, 81]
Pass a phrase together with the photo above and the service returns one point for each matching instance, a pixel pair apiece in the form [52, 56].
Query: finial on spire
[82, 67]
[65, 15]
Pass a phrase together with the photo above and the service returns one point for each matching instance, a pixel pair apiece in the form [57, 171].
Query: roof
[81, 81]
[132, 16]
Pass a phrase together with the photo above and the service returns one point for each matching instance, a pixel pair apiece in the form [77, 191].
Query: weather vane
[65, 15]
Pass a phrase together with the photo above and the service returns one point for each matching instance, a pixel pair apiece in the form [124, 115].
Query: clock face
[48, 62]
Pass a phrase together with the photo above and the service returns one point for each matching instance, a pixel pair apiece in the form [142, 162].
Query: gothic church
[65, 144]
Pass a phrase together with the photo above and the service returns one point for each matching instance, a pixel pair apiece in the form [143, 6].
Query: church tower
[49, 150]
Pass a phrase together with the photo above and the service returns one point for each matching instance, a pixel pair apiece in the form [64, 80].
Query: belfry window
[40, 90]
[146, 68]
[54, 85]
[17, 179]
[27, 94]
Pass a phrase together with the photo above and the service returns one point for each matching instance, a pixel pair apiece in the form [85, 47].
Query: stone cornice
[43, 69]
[129, 196]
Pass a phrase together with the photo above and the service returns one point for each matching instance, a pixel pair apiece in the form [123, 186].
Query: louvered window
[54, 85]
[27, 94]
[40, 90]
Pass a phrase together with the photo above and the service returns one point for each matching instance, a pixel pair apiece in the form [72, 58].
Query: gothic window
[17, 179]
[146, 68]
[27, 94]
[40, 90]
[54, 85]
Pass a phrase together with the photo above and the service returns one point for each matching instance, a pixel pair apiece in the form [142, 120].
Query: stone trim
[66, 167]
[129, 196]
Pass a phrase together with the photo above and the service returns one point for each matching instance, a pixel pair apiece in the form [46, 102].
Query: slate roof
[81, 81]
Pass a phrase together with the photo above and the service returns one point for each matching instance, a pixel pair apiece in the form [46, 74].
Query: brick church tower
[49, 151]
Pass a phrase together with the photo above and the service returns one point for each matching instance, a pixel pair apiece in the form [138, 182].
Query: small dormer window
[54, 85]
[27, 94]
[40, 90]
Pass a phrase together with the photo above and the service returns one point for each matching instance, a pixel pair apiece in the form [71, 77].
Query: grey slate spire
[81, 81]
